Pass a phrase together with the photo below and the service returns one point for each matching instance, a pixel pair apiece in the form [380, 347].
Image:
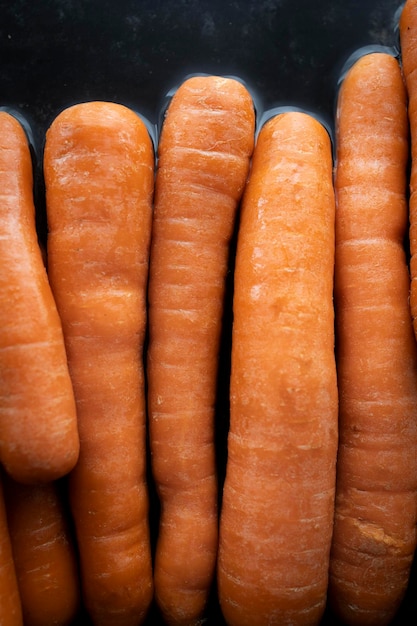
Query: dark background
[57, 52]
[54, 53]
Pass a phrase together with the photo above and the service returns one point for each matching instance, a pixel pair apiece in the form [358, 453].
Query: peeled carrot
[10, 606]
[99, 173]
[408, 42]
[38, 422]
[44, 554]
[376, 498]
[204, 152]
[278, 497]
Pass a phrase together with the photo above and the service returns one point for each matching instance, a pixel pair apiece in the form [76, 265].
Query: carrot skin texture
[375, 512]
[99, 172]
[44, 554]
[278, 497]
[408, 45]
[38, 422]
[10, 606]
[204, 153]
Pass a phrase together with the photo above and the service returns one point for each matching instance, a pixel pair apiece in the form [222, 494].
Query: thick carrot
[408, 42]
[38, 422]
[99, 174]
[376, 497]
[204, 151]
[43, 552]
[10, 606]
[278, 497]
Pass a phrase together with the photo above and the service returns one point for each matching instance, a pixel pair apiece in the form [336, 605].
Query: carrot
[44, 554]
[204, 151]
[278, 496]
[10, 606]
[376, 497]
[408, 43]
[38, 422]
[99, 174]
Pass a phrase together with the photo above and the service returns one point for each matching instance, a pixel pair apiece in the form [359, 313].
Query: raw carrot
[408, 43]
[38, 422]
[99, 175]
[278, 497]
[204, 152]
[43, 552]
[10, 606]
[376, 496]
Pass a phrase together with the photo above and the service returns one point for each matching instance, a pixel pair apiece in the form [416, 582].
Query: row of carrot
[319, 502]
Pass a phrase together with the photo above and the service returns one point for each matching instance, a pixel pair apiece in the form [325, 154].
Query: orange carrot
[277, 510]
[44, 554]
[10, 606]
[204, 151]
[38, 422]
[408, 42]
[99, 172]
[376, 497]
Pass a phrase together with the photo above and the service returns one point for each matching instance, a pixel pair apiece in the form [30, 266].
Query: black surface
[54, 53]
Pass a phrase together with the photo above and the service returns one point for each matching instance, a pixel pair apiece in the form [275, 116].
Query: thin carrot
[38, 422]
[99, 175]
[376, 497]
[10, 606]
[278, 497]
[408, 42]
[44, 553]
[204, 152]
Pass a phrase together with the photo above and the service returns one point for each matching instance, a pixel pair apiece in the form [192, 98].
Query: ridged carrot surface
[99, 175]
[44, 553]
[38, 421]
[376, 500]
[203, 161]
[277, 511]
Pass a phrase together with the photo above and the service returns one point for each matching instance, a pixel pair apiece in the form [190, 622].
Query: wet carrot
[204, 151]
[376, 500]
[44, 554]
[38, 422]
[10, 607]
[277, 511]
[98, 166]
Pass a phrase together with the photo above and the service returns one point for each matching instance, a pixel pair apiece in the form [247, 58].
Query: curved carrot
[10, 606]
[408, 42]
[376, 498]
[98, 167]
[44, 554]
[204, 150]
[38, 422]
[277, 511]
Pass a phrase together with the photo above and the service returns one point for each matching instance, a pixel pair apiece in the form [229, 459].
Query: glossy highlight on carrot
[277, 510]
[99, 176]
[43, 552]
[203, 161]
[38, 422]
[376, 498]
